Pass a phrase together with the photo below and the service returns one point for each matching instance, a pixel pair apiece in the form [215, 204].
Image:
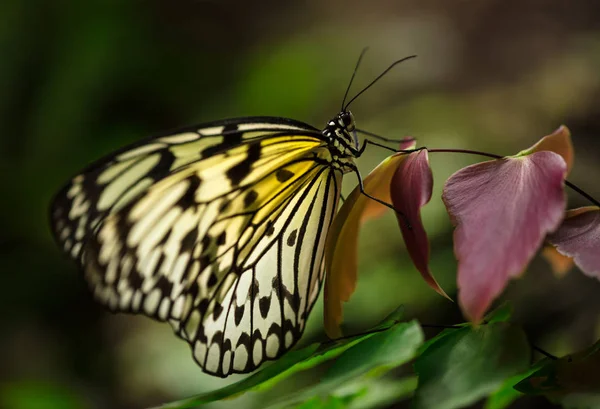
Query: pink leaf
[579, 237]
[502, 210]
[411, 188]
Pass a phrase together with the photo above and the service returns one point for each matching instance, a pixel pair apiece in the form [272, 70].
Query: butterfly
[218, 229]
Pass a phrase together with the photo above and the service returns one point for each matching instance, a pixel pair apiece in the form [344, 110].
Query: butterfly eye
[347, 120]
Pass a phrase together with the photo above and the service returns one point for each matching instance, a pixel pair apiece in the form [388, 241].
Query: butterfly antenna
[362, 53]
[376, 79]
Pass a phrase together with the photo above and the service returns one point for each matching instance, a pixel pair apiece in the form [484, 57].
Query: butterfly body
[218, 229]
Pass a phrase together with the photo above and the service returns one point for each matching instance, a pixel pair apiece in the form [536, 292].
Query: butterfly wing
[114, 181]
[226, 246]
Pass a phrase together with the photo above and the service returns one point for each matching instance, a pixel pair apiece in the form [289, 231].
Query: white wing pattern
[219, 230]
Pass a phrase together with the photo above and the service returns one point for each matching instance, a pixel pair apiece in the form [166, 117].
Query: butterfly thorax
[341, 136]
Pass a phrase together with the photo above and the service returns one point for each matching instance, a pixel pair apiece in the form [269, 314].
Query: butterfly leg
[384, 139]
[388, 205]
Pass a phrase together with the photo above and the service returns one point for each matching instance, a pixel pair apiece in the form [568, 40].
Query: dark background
[80, 79]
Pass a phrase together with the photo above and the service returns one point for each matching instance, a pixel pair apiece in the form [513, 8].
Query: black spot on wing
[270, 228]
[163, 241]
[201, 335]
[163, 167]
[189, 240]
[212, 280]
[291, 240]
[254, 288]
[275, 328]
[263, 304]
[206, 241]
[224, 206]
[244, 339]
[276, 285]
[222, 238]
[232, 138]
[238, 314]
[288, 326]
[203, 306]
[134, 279]
[189, 197]
[217, 338]
[194, 290]
[250, 198]
[294, 300]
[283, 174]
[241, 170]
[164, 285]
[217, 311]
[204, 261]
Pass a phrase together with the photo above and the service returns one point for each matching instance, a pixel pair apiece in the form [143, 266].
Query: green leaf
[365, 392]
[279, 370]
[289, 364]
[368, 393]
[500, 314]
[469, 363]
[573, 380]
[317, 402]
[384, 392]
[364, 360]
[384, 350]
[391, 319]
[507, 393]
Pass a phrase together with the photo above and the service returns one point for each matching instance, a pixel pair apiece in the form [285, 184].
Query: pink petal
[408, 142]
[411, 189]
[502, 210]
[579, 237]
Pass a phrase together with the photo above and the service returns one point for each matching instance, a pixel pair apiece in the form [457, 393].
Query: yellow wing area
[120, 178]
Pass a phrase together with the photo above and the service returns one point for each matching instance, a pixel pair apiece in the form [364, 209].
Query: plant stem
[582, 193]
[467, 151]
[491, 155]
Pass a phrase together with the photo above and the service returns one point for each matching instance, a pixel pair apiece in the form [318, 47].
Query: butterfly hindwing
[223, 239]
[268, 301]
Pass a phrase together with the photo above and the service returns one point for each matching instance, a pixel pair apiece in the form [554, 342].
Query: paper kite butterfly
[218, 229]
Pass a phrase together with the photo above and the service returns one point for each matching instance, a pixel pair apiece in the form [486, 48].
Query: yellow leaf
[341, 258]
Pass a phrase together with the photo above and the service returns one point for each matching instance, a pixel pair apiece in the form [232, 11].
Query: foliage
[460, 366]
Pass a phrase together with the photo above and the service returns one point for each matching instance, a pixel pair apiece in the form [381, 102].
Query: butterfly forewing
[112, 182]
[220, 231]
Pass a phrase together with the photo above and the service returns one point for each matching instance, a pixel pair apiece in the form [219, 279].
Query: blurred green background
[80, 79]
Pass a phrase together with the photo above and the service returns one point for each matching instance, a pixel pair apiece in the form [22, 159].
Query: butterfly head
[345, 120]
[341, 132]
